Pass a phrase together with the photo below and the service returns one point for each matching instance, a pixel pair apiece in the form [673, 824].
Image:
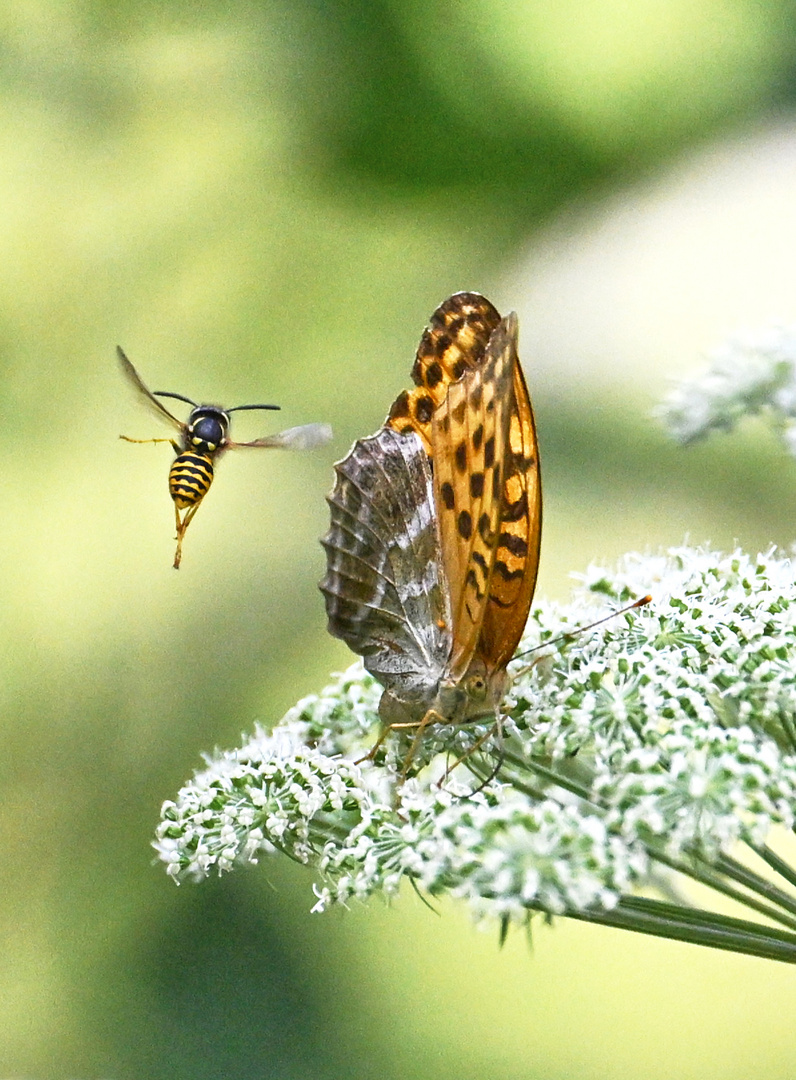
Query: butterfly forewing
[470, 435]
[517, 553]
[454, 342]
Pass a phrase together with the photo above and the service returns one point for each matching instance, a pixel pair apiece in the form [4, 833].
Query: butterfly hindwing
[384, 596]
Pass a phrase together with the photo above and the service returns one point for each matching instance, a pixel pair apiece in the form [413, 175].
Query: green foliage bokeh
[266, 201]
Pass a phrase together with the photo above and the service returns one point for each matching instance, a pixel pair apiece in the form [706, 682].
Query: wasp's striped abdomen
[190, 478]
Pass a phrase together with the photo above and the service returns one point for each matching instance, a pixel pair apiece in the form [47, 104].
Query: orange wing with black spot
[454, 342]
[485, 482]
[472, 412]
[516, 564]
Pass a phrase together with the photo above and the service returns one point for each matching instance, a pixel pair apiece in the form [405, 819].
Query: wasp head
[207, 429]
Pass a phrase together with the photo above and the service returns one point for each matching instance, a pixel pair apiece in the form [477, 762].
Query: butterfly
[202, 438]
[433, 547]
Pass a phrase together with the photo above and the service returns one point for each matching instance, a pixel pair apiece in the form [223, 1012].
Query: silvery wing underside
[383, 588]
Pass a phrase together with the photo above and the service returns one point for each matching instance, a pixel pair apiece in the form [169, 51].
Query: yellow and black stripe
[190, 478]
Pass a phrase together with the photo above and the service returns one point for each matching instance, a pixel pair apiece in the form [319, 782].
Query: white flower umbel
[752, 374]
[655, 749]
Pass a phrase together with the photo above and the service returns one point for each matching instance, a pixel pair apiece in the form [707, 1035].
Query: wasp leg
[173, 443]
[181, 527]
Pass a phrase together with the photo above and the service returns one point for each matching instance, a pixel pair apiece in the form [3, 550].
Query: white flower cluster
[658, 740]
[751, 374]
[687, 717]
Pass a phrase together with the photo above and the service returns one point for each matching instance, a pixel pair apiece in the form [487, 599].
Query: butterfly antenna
[589, 626]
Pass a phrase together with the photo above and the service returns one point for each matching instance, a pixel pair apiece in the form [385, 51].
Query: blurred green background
[266, 202]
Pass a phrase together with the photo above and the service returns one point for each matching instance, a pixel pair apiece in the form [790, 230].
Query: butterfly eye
[477, 686]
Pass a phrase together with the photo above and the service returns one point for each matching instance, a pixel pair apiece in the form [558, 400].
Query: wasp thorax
[207, 430]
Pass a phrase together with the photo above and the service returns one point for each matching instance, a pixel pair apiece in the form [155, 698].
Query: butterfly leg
[431, 717]
[497, 728]
[371, 754]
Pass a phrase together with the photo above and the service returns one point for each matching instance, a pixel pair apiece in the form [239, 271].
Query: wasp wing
[138, 384]
[305, 437]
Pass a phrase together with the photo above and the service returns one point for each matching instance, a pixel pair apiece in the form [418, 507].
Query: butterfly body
[434, 539]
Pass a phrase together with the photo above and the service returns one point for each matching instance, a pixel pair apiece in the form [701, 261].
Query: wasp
[202, 438]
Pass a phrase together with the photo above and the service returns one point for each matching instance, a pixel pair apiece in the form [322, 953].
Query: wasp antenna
[241, 408]
[177, 397]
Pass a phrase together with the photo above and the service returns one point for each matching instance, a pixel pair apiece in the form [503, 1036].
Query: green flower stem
[661, 919]
[702, 872]
[775, 862]
[705, 874]
[699, 871]
[789, 729]
[536, 768]
[742, 874]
